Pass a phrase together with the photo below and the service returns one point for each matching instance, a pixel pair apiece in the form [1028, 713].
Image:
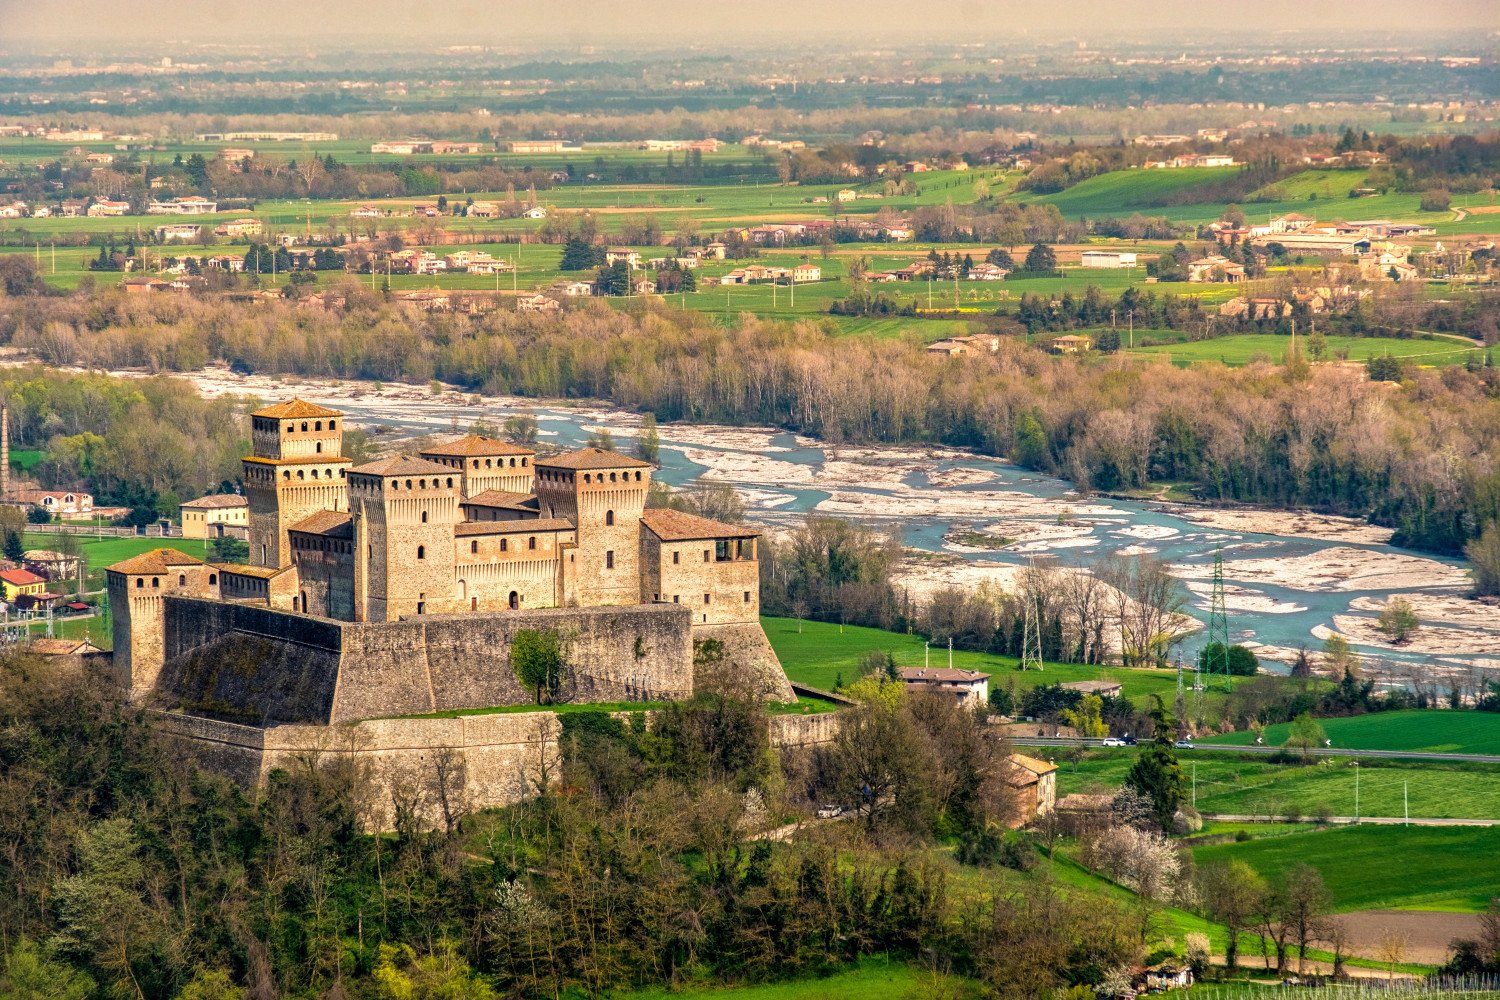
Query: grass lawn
[872, 979]
[1434, 731]
[818, 653]
[1427, 868]
[1250, 786]
[1240, 349]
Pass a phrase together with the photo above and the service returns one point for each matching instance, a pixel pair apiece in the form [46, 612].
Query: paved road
[1040, 741]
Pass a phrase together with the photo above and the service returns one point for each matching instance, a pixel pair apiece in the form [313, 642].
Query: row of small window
[500, 463]
[707, 598]
[140, 581]
[317, 425]
[588, 477]
[327, 474]
[421, 484]
[504, 545]
[322, 545]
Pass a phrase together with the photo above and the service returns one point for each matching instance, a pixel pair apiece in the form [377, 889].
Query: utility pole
[1356, 791]
[1218, 620]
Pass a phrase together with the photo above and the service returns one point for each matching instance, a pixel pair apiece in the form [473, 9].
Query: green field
[1241, 349]
[1434, 731]
[1252, 786]
[872, 979]
[1365, 867]
[820, 653]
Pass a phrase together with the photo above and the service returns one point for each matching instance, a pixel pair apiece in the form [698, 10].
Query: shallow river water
[1287, 579]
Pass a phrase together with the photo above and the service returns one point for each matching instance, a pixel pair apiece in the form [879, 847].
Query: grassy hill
[1123, 192]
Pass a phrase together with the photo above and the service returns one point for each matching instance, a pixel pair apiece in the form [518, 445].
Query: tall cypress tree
[1157, 774]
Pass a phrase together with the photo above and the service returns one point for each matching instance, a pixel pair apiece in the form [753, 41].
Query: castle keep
[396, 587]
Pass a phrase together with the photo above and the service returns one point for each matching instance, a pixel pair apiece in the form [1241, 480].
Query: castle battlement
[473, 531]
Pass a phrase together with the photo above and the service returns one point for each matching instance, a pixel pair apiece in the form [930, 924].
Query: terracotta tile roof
[474, 445]
[680, 526]
[593, 458]
[401, 465]
[21, 577]
[527, 525]
[337, 523]
[154, 561]
[294, 409]
[503, 499]
[1031, 764]
[940, 675]
[218, 501]
[259, 572]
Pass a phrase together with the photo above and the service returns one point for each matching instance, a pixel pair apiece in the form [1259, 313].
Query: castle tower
[486, 464]
[603, 493]
[404, 510]
[136, 588]
[296, 470]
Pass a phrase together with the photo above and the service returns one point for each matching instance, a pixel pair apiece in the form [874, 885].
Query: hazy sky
[80, 24]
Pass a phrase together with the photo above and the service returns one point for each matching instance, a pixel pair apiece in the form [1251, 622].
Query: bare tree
[1391, 949]
[1148, 602]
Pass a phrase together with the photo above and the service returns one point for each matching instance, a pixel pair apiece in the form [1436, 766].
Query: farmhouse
[537, 146]
[1071, 343]
[214, 516]
[55, 501]
[1104, 689]
[181, 232]
[1033, 785]
[192, 205]
[1215, 268]
[970, 687]
[18, 583]
[104, 207]
[537, 303]
[239, 227]
[1106, 258]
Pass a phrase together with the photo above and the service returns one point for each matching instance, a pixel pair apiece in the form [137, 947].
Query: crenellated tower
[297, 469]
[403, 510]
[603, 493]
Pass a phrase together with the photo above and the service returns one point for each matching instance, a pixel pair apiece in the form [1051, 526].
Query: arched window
[213, 579]
[315, 473]
[474, 546]
[155, 582]
[609, 517]
[488, 463]
[585, 477]
[514, 600]
[140, 581]
[320, 447]
[182, 579]
[333, 425]
[450, 482]
[408, 484]
[424, 517]
[301, 474]
[531, 542]
[318, 425]
[513, 463]
[476, 463]
[612, 477]
[504, 545]
[421, 552]
[304, 426]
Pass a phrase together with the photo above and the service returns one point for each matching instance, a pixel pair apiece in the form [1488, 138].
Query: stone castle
[379, 593]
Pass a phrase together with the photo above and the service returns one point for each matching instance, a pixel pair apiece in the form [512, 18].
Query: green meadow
[1241, 349]
[1433, 731]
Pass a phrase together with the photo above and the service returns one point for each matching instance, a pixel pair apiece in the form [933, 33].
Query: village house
[576, 289]
[537, 303]
[1292, 222]
[483, 210]
[239, 227]
[236, 154]
[537, 146]
[807, 272]
[449, 148]
[51, 565]
[534, 212]
[1215, 268]
[1072, 343]
[1033, 785]
[215, 515]
[54, 502]
[18, 583]
[616, 255]
[366, 212]
[104, 207]
[985, 271]
[715, 250]
[971, 688]
[1255, 309]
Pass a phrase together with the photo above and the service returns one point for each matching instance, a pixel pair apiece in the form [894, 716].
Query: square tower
[603, 493]
[136, 588]
[404, 512]
[486, 464]
[295, 471]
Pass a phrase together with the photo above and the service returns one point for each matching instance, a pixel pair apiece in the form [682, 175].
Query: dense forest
[129, 873]
[1423, 456]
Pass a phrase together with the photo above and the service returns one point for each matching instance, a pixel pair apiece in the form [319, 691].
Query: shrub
[1436, 200]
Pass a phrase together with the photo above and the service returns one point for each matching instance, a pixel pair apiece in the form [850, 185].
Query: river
[1289, 578]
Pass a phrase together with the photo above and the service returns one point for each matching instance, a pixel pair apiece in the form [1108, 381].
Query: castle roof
[245, 569]
[154, 561]
[336, 523]
[502, 499]
[526, 525]
[294, 409]
[217, 501]
[401, 465]
[680, 526]
[475, 445]
[593, 458]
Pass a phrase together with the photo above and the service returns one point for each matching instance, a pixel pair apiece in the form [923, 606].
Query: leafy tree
[580, 255]
[14, 549]
[536, 657]
[521, 428]
[1232, 894]
[1088, 717]
[28, 973]
[400, 974]
[1484, 559]
[228, 549]
[1000, 258]
[1436, 200]
[1306, 734]
[601, 439]
[38, 515]
[1041, 259]
[1240, 661]
[1157, 773]
[1397, 620]
[648, 442]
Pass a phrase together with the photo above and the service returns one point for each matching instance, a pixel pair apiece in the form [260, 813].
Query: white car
[1113, 741]
[830, 811]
